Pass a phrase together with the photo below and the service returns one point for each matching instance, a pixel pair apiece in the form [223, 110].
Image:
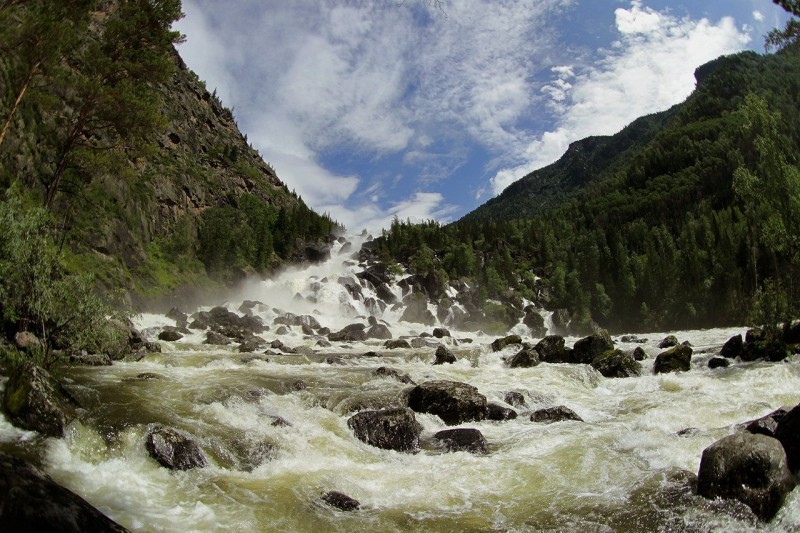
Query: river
[623, 469]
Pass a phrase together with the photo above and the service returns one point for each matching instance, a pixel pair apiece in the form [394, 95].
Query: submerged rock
[388, 429]
[555, 414]
[747, 467]
[443, 355]
[451, 401]
[341, 501]
[462, 440]
[32, 400]
[174, 450]
[31, 501]
[677, 359]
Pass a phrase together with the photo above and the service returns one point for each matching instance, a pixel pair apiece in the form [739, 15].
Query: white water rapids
[620, 470]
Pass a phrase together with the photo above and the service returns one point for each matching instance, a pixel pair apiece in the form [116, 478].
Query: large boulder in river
[676, 359]
[788, 433]
[617, 364]
[766, 425]
[535, 322]
[388, 429]
[379, 331]
[350, 333]
[31, 501]
[499, 344]
[733, 347]
[668, 342]
[747, 467]
[588, 348]
[462, 440]
[417, 310]
[174, 450]
[452, 401]
[551, 349]
[444, 356]
[396, 344]
[498, 412]
[33, 400]
[524, 358]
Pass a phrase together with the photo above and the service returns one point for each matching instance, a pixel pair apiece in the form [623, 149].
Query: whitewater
[274, 428]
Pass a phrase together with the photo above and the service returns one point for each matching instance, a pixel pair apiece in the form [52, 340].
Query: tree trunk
[21, 94]
[52, 187]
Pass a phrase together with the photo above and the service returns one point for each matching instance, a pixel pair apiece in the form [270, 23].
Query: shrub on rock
[747, 467]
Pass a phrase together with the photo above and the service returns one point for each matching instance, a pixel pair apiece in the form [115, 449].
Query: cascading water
[274, 428]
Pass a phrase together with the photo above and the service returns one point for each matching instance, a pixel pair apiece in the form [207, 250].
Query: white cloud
[649, 69]
[758, 16]
[418, 207]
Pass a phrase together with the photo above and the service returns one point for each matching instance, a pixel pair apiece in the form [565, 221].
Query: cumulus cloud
[758, 16]
[648, 69]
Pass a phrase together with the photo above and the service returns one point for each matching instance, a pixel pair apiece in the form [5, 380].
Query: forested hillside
[684, 218]
[144, 175]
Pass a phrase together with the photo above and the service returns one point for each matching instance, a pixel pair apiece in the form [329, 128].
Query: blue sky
[372, 109]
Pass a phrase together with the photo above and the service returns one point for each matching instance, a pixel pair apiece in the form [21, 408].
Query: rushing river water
[623, 469]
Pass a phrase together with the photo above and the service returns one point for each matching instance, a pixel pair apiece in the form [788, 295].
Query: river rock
[31, 501]
[769, 350]
[388, 429]
[617, 364]
[668, 342]
[90, 359]
[767, 424]
[32, 400]
[174, 450]
[341, 501]
[535, 322]
[514, 398]
[27, 342]
[462, 440]
[499, 344]
[788, 433]
[747, 467]
[417, 310]
[555, 414]
[443, 355]
[393, 373]
[524, 358]
[676, 359]
[350, 333]
[495, 411]
[588, 348]
[733, 347]
[396, 344]
[212, 337]
[452, 401]
[551, 349]
[170, 334]
[718, 362]
[379, 331]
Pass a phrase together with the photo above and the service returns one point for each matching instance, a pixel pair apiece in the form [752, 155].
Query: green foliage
[37, 294]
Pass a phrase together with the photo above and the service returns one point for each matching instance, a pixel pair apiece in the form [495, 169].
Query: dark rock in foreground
[452, 401]
[733, 347]
[462, 440]
[388, 429]
[551, 349]
[587, 349]
[170, 334]
[788, 433]
[555, 414]
[677, 359]
[718, 362]
[523, 359]
[499, 344]
[767, 424]
[32, 400]
[617, 364]
[668, 342]
[495, 411]
[174, 450]
[749, 468]
[341, 501]
[31, 501]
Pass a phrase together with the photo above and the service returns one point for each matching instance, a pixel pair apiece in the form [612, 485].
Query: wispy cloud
[649, 68]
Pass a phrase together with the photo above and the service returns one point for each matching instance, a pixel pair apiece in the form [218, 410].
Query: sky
[375, 109]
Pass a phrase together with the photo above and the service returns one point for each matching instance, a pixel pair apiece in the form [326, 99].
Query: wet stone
[341, 501]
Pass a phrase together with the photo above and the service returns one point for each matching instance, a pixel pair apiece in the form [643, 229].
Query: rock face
[617, 364]
[32, 400]
[523, 359]
[677, 359]
[788, 433]
[588, 348]
[555, 414]
[443, 355]
[388, 429]
[31, 501]
[749, 468]
[341, 501]
[462, 440]
[452, 401]
[174, 450]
